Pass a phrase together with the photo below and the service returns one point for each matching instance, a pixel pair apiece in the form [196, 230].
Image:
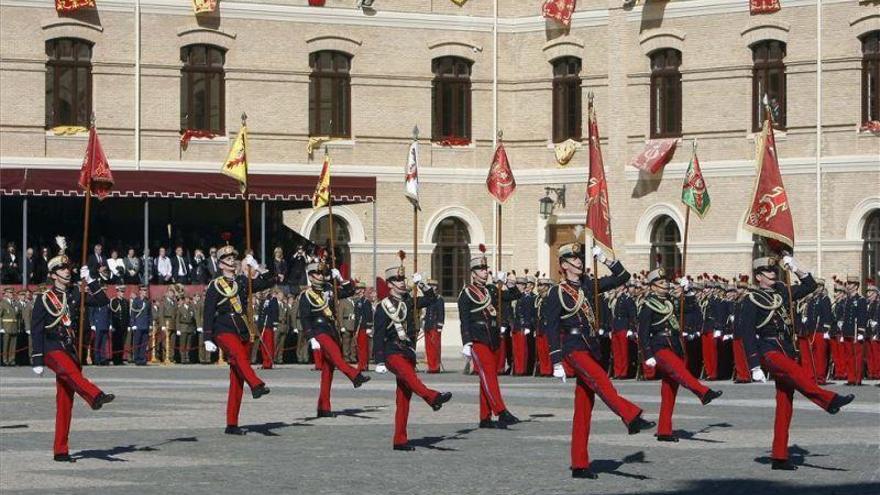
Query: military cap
[58, 263]
[853, 279]
[397, 272]
[820, 281]
[521, 280]
[765, 264]
[8, 289]
[120, 287]
[226, 251]
[545, 281]
[572, 250]
[315, 266]
[361, 285]
[433, 282]
[656, 275]
[870, 285]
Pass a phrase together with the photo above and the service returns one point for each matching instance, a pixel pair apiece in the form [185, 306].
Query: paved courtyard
[164, 434]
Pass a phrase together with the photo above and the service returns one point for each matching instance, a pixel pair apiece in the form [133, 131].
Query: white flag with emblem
[411, 187]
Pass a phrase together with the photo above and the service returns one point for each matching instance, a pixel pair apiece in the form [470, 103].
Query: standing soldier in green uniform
[168, 322]
[27, 312]
[186, 328]
[9, 317]
[283, 326]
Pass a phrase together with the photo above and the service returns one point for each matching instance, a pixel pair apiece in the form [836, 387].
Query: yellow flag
[236, 165]
[322, 190]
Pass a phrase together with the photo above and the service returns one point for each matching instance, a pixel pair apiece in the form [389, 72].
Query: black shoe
[667, 438]
[839, 401]
[783, 465]
[583, 473]
[64, 458]
[710, 396]
[101, 400]
[234, 430]
[260, 391]
[360, 379]
[488, 424]
[404, 447]
[507, 419]
[326, 414]
[639, 424]
[440, 400]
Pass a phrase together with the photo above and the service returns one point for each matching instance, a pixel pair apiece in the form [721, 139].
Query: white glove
[717, 333]
[651, 362]
[689, 336]
[370, 332]
[417, 278]
[199, 330]
[381, 369]
[2, 331]
[501, 277]
[85, 275]
[559, 372]
[527, 331]
[601, 331]
[336, 274]
[314, 343]
[251, 262]
[296, 330]
[38, 370]
[629, 333]
[684, 283]
[27, 332]
[840, 325]
[599, 254]
[93, 328]
[826, 336]
[727, 337]
[178, 333]
[789, 263]
[466, 350]
[163, 329]
[860, 338]
[209, 346]
[758, 374]
[503, 330]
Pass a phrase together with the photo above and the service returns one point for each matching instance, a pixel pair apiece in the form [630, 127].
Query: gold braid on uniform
[60, 314]
[398, 314]
[580, 305]
[318, 303]
[664, 308]
[482, 304]
[771, 303]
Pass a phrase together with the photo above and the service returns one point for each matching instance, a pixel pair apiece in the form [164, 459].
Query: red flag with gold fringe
[500, 182]
[95, 175]
[598, 207]
[770, 213]
[764, 6]
[67, 6]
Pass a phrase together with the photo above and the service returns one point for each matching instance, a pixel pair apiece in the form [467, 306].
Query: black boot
[234, 430]
[783, 465]
[667, 438]
[326, 414]
[639, 424]
[360, 379]
[583, 473]
[440, 400]
[839, 401]
[710, 396]
[259, 391]
[488, 424]
[507, 419]
[102, 399]
[404, 447]
[64, 458]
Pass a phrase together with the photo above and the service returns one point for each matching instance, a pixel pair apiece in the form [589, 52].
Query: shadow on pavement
[688, 435]
[753, 486]
[431, 442]
[798, 457]
[13, 427]
[352, 413]
[110, 455]
[612, 466]
[268, 429]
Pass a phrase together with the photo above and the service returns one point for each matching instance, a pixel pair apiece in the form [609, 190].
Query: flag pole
[247, 239]
[85, 255]
[596, 310]
[415, 291]
[684, 257]
[499, 283]
[332, 250]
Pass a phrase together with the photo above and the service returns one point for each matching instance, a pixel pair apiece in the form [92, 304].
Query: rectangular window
[330, 94]
[768, 79]
[666, 99]
[68, 92]
[202, 89]
[451, 99]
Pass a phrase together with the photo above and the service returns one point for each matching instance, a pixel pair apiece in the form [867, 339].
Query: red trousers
[267, 347]
[620, 352]
[591, 380]
[855, 360]
[673, 373]
[332, 359]
[407, 383]
[789, 376]
[840, 359]
[813, 359]
[710, 355]
[238, 357]
[520, 353]
[501, 354]
[432, 350]
[740, 363]
[68, 379]
[542, 351]
[363, 349]
[873, 359]
[484, 364]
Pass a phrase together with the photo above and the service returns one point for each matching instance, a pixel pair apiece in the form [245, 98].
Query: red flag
[770, 214]
[598, 208]
[655, 156]
[67, 6]
[500, 182]
[764, 6]
[95, 175]
[559, 10]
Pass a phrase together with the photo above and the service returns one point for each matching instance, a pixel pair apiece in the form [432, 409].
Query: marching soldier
[318, 319]
[269, 325]
[53, 331]
[168, 321]
[395, 348]
[852, 317]
[283, 330]
[570, 324]
[765, 329]
[226, 322]
[9, 316]
[481, 336]
[544, 366]
[141, 318]
[186, 328]
[660, 339]
[363, 324]
[119, 321]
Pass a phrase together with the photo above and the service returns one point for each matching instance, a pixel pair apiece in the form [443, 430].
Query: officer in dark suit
[812, 321]
[120, 314]
[852, 319]
[141, 316]
[363, 326]
[317, 315]
[181, 267]
[394, 348]
[96, 260]
[268, 325]
[434, 318]
[660, 339]
[99, 318]
[53, 331]
[766, 333]
[623, 323]
[523, 324]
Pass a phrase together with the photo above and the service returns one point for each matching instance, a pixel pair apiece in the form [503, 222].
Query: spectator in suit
[41, 266]
[296, 275]
[279, 266]
[96, 260]
[200, 273]
[181, 268]
[11, 265]
[131, 266]
[213, 264]
[163, 268]
[29, 265]
[116, 266]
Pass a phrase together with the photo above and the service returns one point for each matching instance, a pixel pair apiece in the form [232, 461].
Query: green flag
[693, 192]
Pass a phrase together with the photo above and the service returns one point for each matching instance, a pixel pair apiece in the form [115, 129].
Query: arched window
[451, 98]
[451, 257]
[320, 235]
[665, 93]
[768, 77]
[871, 76]
[871, 247]
[566, 99]
[202, 89]
[665, 237]
[330, 94]
[68, 82]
